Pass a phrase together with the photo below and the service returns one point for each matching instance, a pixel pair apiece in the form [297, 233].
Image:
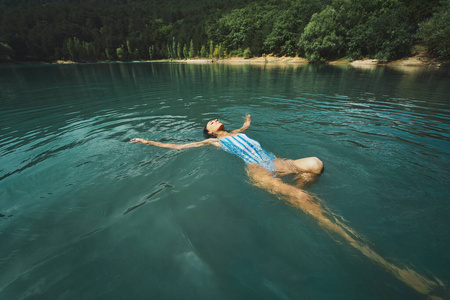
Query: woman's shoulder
[213, 142]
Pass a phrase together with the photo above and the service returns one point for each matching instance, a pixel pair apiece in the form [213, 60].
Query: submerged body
[265, 170]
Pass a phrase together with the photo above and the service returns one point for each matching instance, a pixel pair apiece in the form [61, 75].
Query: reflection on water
[77, 199]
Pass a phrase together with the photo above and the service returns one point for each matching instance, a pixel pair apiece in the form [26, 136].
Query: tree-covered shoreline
[128, 30]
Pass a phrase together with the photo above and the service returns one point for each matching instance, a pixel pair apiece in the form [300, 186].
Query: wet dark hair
[206, 134]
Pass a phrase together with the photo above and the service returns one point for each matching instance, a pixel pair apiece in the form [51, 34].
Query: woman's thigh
[307, 164]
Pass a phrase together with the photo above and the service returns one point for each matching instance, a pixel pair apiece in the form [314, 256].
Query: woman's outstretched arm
[245, 126]
[208, 142]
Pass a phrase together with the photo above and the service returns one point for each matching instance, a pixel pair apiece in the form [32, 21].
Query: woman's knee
[318, 165]
[311, 164]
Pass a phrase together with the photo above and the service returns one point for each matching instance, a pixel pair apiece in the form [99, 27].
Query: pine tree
[191, 49]
[151, 51]
[211, 49]
[179, 51]
[174, 48]
[185, 52]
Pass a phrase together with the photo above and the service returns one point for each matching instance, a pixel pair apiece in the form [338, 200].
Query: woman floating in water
[265, 170]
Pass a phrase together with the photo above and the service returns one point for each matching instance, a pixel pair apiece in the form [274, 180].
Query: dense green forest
[124, 30]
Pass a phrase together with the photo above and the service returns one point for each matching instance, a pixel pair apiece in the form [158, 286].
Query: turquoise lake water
[84, 214]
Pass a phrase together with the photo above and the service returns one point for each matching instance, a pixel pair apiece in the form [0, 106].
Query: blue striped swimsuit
[249, 150]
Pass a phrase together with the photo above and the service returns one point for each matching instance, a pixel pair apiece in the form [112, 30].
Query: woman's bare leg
[313, 207]
[307, 169]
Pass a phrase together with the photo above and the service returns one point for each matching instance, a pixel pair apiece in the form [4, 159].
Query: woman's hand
[247, 120]
[138, 141]
[245, 126]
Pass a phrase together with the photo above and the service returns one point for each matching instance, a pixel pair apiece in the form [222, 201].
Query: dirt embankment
[420, 58]
[254, 60]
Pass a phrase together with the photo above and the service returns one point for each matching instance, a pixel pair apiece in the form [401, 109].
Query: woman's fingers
[135, 141]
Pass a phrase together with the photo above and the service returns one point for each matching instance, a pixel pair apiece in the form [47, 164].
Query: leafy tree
[324, 36]
[288, 26]
[434, 33]
[245, 27]
[418, 11]
[377, 29]
[357, 29]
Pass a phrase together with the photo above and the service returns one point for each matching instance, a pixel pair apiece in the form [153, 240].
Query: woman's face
[214, 126]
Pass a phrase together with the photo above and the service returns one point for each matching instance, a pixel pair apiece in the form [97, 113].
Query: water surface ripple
[86, 215]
